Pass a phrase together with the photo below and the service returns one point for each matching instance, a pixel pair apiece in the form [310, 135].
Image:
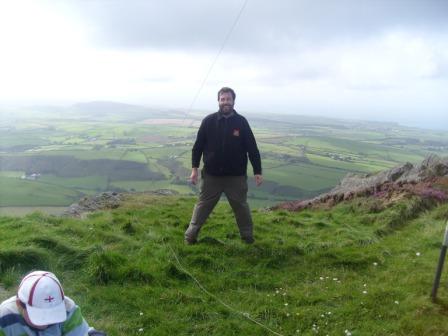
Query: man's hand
[258, 179]
[194, 176]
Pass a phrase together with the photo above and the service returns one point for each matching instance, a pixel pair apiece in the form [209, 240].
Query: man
[40, 308]
[224, 139]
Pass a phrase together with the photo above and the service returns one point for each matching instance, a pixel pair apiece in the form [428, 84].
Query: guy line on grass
[246, 315]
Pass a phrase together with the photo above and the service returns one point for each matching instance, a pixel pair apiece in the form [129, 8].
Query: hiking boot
[190, 241]
[248, 240]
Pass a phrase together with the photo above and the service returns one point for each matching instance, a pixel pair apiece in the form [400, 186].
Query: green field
[98, 183]
[16, 192]
[305, 176]
[151, 186]
[302, 156]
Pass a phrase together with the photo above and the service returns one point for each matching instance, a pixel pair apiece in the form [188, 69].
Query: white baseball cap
[43, 296]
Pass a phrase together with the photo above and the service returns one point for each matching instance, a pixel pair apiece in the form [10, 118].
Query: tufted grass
[354, 267]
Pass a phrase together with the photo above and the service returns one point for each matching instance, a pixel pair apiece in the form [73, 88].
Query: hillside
[428, 178]
[362, 267]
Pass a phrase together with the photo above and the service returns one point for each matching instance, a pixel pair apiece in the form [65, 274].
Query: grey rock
[432, 167]
[106, 200]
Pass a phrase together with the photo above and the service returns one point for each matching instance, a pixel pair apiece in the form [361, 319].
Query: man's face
[226, 102]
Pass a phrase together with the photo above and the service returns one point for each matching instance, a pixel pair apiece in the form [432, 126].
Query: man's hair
[226, 90]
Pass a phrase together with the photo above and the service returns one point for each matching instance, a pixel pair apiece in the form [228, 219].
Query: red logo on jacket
[236, 132]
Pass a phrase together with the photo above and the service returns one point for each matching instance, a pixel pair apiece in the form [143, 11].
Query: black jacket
[225, 144]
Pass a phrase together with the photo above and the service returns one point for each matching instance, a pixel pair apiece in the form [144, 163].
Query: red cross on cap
[49, 298]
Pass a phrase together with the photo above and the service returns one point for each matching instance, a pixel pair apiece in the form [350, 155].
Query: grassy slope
[309, 270]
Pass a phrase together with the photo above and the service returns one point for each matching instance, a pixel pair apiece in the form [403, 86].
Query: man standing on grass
[225, 140]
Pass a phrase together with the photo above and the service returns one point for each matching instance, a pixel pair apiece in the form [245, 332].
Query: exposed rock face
[421, 179]
[106, 200]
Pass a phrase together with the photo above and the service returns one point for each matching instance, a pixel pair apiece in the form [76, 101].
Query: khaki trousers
[212, 187]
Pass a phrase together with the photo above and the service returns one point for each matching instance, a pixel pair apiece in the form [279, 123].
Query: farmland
[74, 154]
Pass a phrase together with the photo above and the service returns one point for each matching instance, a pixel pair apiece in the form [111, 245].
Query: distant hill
[319, 121]
[94, 110]
[105, 109]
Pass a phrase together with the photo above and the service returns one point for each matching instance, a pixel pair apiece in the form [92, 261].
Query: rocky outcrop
[106, 200]
[426, 179]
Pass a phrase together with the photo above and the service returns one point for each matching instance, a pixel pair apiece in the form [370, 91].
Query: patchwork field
[302, 156]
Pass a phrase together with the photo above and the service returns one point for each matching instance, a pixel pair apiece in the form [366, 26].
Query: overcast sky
[364, 59]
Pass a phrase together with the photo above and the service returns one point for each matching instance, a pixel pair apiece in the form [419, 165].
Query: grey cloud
[264, 25]
[285, 76]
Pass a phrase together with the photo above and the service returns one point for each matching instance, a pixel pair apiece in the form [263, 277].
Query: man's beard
[226, 108]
